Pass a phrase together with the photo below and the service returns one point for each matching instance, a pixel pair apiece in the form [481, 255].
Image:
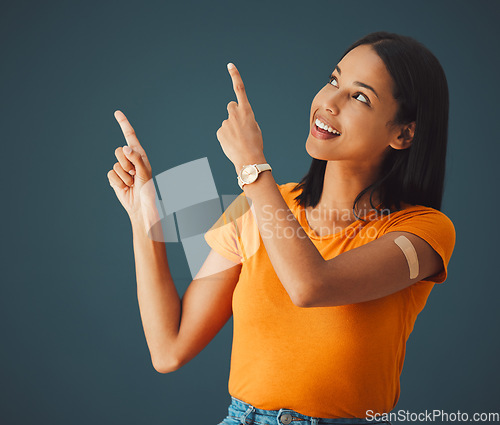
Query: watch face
[248, 174]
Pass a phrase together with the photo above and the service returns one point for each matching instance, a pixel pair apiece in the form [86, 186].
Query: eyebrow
[358, 83]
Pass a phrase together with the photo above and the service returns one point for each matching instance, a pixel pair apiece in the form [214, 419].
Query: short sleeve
[435, 228]
[225, 235]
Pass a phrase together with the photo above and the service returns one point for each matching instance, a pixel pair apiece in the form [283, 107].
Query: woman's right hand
[131, 176]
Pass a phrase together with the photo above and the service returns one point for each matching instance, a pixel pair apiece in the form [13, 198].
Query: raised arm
[176, 330]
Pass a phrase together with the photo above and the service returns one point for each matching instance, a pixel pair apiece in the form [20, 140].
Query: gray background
[73, 349]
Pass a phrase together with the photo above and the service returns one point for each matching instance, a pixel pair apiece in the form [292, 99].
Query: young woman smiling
[323, 294]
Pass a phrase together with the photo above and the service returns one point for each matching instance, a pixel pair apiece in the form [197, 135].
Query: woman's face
[359, 113]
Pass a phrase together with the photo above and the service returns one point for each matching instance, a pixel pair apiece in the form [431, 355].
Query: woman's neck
[342, 184]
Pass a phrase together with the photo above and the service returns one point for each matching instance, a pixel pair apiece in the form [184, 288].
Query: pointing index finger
[131, 138]
[127, 130]
[238, 86]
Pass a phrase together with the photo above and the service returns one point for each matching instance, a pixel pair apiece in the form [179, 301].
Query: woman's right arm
[177, 330]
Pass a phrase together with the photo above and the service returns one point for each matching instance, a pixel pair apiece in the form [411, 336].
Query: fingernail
[230, 65]
[131, 172]
[127, 149]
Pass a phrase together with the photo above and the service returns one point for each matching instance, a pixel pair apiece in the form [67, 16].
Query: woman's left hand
[240, 136]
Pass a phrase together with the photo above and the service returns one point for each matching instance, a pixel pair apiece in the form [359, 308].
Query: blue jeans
[241, 413]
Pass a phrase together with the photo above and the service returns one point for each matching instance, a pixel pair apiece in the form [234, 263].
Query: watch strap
[259, 167]
[263, 167]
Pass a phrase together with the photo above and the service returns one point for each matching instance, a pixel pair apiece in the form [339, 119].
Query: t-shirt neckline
[312, 233]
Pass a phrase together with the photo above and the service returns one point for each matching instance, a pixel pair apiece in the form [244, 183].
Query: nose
[334, 110]
[332, 104]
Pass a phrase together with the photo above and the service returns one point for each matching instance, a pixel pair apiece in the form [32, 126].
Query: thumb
[141, 171]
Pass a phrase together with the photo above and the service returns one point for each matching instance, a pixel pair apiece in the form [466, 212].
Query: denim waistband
[249, 414]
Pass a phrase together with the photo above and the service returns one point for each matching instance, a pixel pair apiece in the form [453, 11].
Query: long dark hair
[414, 175]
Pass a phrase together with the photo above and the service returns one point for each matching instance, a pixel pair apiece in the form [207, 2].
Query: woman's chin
[314, 150]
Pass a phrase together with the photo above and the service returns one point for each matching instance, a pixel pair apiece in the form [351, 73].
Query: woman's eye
[332, 78]
[363, 96]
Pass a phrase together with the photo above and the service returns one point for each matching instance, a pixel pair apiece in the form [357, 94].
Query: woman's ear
[404, 136]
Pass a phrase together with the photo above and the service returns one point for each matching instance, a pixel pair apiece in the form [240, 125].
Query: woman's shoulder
[410, 215]
[286, 188]
[407, 210]
[288, 193]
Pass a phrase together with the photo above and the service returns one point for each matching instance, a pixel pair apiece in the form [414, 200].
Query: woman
[324, 278]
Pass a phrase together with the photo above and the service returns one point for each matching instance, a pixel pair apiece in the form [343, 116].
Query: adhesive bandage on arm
[411, 255]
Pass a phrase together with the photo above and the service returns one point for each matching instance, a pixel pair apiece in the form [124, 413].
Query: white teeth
[325, 127]
[320, 124]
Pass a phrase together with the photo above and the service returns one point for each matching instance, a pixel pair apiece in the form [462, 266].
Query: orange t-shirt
[327, 362]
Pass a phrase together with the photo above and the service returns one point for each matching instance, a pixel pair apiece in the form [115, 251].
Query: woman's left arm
[371, 271]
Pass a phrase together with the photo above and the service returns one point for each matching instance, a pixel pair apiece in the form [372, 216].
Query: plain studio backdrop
[73, 349]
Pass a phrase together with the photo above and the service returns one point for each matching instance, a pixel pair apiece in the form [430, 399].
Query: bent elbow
[165, 366]
[305, 298]
[300, 300]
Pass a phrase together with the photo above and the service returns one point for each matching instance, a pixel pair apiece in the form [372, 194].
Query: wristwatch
[249, 173]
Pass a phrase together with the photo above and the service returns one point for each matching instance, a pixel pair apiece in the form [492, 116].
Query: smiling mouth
[322, 134]
[325, 126]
